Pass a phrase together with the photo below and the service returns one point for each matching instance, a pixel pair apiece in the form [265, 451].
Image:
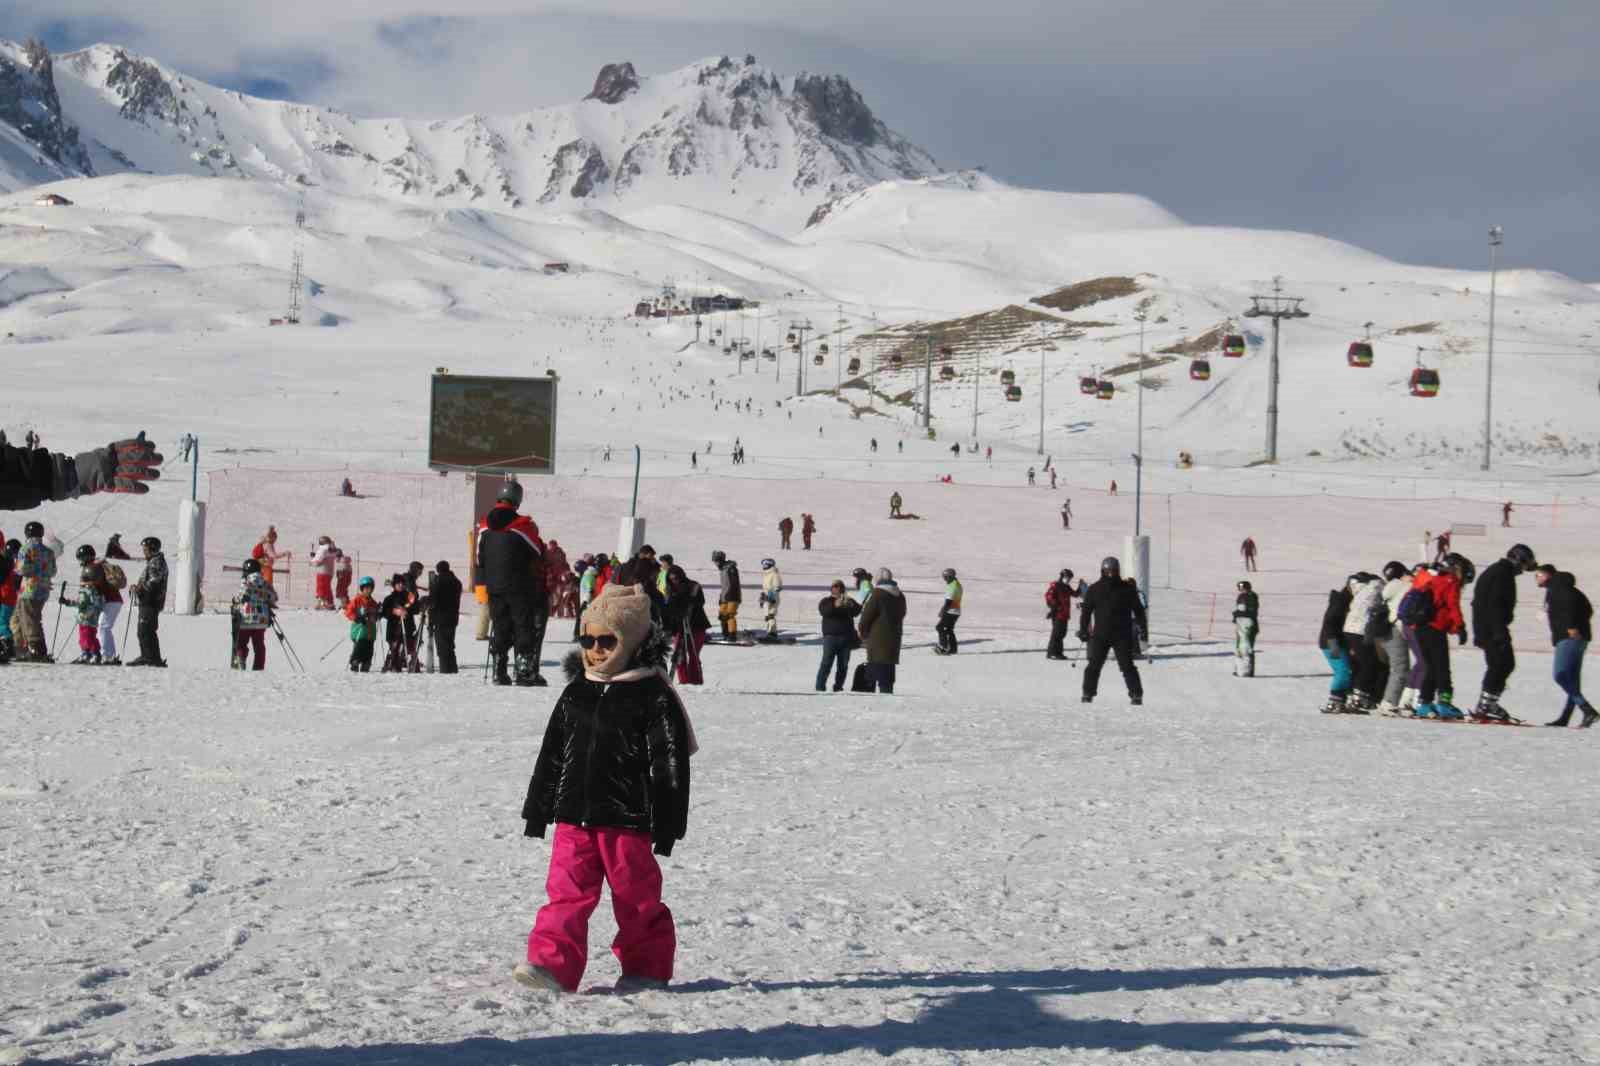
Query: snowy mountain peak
[724, 135]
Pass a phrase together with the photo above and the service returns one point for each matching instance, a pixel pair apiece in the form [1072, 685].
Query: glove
[123, 466]
[1083, 635]
[1461, 636]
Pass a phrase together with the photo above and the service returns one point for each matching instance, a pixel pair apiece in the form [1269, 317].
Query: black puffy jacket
[838, 621]
[1569, 608]
[1111, 611]
[686, 605]
[1333, 618]
[614, 755]
[510, 553]
[1494, 603]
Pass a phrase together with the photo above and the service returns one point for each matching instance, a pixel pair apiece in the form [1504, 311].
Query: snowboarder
[1246, 624]
[1494, 605]
[444, 613]
[1444, 590]
[1058, 603]
[728, 595]
[894, 505]
[511, 554]
[839, 611]
[1066, 514]
[363, 612]
[785, 531]
[949, 614]
[771, 592]
[1111, 619]
[346, 489]
[808, 528]
[1569, 612]
[253, 607]
[1247, 551]
[611, 804]
[881, 628]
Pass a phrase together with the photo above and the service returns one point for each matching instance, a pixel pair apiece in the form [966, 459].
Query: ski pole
[288, 649]
[488, 655]
[127, 623]
[337, 645]
[55, 635]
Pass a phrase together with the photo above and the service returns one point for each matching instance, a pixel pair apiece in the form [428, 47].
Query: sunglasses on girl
[605, 642]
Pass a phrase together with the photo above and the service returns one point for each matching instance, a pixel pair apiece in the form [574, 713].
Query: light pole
[927, 381]
[1041, 401]
[1138, 455]
[800, 329]
[1496, 233]
[977, 372]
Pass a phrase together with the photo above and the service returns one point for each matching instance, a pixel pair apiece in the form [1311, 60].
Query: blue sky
[1405, 128]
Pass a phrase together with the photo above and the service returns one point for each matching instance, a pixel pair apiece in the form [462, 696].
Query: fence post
[1211, 622]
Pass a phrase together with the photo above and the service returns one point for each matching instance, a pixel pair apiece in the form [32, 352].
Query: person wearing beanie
[613, 777]
[444, 614]
[881, 626]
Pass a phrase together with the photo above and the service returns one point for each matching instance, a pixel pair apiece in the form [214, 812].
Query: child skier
[89, 603]
[10, 583]
[613, 775]
[399, 630]
[363, 613]
[252, 615]
[344, 568]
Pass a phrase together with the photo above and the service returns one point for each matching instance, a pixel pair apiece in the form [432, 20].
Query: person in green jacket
[949, 614]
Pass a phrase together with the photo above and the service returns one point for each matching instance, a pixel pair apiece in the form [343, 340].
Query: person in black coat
[400, 623]
[1494, 605]
[613, 776]
[444, 607]
[683, 616]
[511, 556]
[1570, 615]
[838, 611]
[1111, 619]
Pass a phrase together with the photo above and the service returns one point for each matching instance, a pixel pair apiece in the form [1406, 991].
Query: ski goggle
[605, 641]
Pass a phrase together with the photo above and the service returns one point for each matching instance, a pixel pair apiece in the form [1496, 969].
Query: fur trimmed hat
[623, 610]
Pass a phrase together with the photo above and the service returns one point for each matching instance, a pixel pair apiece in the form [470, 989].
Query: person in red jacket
[1435, 698]
[1058, 600]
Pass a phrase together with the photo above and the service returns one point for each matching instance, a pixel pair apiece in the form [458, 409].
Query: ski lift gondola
[945, 351]
[855, 365]
[1424, 380]
[947, 373]
[1233, 346]
[1105, 389]
[1359, 354]
[895, 360]
[823, 347]
[791, 338]
[1088, 386]
[817, 360]
[1014, 393]
[1008, 377]
[1200, 370]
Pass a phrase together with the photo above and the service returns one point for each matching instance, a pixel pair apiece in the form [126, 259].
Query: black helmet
[510, 492]
[1455, 560]
[1066, 574]
[860, 572]
[1244, 586]
[949, 573]
[13, 546]
[443, 566]
[85, 553]
[151, 544]
[1394, 570]
[719, 557]
[251, 566]
[1109, 565]
[33, 529]
[1522, 557]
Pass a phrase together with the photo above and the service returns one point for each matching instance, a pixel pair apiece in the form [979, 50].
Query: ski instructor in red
[511, 557]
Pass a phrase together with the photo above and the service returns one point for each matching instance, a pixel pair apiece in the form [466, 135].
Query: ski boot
[1336, 703]
[1137, 701]
[1423, 710]
[502, 673]
[1447, 711]
[115, 660]
[86, 659]
[1489, 710]
[535, 977]
[1359, 703]
[528, 674]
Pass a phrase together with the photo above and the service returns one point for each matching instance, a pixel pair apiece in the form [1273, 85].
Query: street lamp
[1496, 233]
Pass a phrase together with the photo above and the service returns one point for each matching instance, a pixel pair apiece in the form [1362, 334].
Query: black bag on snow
[859, 682]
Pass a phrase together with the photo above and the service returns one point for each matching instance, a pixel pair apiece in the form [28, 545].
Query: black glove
[1083, 635]
[123, 466]
[662, 847]
[1461, 636]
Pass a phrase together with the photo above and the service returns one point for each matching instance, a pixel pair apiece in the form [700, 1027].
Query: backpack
[1416, 608]
[115, 578]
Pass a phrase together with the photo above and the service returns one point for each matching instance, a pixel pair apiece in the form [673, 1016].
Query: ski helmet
[1244, 586]
[719, 557]
[1394, 570]
[1109, 565]
[860, 573]
[510, 492]
[13, 546]
[33, 529]
[767, 564]
[1457, 561]
[85, 553]
[1522, 557]
[366, 583]
[151, 544]
[251, 566]
[949, 573]
[1066, 575]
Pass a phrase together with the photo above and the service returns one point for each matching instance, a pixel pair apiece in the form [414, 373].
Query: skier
[1505, 515]
[1058, 603]
[324, 561]
[728, 595]
[444, 613]
[512, 556]
[881, 628]
[785, 531]
[399, 609]
[874, 446]
[1569, 612]
[1246, 624]
[253, 606]
[1331, 640]
[89, 602]
[10, 583]
[344, 569]
[685, 619]
[808, 529]
[36, 567]
[30, 476]
[613, 775]
[1066, 514]
[894, 505]
[114, 548]
[1052, 480]
[112, 579]
[1030, 475]
[988, 454]
[1441, 546]
[1113, 490]
[363, 613]
[949, 614]
[839, 611]
[1247, 551]
[1494, 604]
[1398, 697]
[1111, 619]
[267, 554]
[1444, 590]
[771, 592]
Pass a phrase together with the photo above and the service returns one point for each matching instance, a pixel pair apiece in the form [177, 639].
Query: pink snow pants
[581, 861]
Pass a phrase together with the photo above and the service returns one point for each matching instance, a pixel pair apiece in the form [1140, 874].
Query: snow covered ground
[329, 869]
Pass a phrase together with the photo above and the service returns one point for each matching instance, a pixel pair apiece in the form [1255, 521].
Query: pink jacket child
[613, 776]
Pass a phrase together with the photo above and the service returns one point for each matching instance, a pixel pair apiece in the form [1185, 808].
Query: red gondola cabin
[1233, 346]
[1200, 370]
[1088, 386]
[1360, 354]
[1424, 382]
[1105, 389]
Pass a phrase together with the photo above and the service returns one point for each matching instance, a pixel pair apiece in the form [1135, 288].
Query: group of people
[1112, 622]
[808, 529]
[1387, 637]
[28, 572]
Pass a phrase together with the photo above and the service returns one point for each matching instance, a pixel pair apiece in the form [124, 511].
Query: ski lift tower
[1276, 307]
[297, 268]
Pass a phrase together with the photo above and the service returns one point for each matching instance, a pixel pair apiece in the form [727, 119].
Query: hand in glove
[1461, 636]
[123, 466]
